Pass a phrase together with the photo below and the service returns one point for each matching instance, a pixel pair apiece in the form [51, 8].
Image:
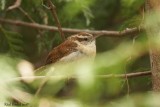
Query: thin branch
[127, 82]
[30, 18]
[40, 32]
[15, 5]
[26, 14]
[127, 62]
[44, 81]
[128, 75]
[53, 11]
[128, 31]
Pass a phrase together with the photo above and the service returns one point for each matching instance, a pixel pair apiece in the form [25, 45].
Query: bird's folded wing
[60, 51]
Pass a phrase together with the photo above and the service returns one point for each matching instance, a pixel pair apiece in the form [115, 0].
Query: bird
[75, 47]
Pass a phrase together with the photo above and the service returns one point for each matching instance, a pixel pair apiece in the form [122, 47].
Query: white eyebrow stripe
[80, 36]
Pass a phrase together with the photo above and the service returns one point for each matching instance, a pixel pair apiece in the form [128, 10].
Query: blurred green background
[113, 53]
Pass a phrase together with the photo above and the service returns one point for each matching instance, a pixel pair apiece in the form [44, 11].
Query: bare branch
[30, 18]
[44, 81]
[53, 11]
[127, 83]
[15, 5]
[127, 31]
[128, 75]
[26, 14]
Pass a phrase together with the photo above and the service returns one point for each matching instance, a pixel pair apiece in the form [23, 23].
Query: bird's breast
[72, 56]
[76, 55]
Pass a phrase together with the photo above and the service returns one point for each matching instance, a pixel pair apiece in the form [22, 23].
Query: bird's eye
[86, 39]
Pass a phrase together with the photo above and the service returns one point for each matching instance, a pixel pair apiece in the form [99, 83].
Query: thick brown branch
[127, 31]
[152, 30]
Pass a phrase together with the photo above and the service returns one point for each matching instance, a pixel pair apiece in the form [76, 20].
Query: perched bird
[73, 48]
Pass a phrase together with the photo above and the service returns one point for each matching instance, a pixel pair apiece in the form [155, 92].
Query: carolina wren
[74, 47]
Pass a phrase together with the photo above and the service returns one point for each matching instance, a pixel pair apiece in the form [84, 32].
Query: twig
[129, 59]
[30, 18]
[127, 82]
[15, 5]
[128, 75]
[127, 31]
[53, 11]
[44, 81]
[26, 14]
[40, 32]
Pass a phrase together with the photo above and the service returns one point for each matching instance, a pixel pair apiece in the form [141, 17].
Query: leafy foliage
[14, 42]
[2, 4]
[75, 84]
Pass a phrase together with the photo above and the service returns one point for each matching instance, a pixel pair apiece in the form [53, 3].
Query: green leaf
[2, 4]
[14, 41]
[8, 71]
[88, 15]
[74, 7]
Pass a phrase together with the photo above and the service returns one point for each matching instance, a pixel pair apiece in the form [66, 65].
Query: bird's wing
[60, 51]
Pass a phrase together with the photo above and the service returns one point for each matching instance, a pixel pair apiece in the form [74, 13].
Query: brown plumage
[75, 47]
[58, 52]
[67, 47]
